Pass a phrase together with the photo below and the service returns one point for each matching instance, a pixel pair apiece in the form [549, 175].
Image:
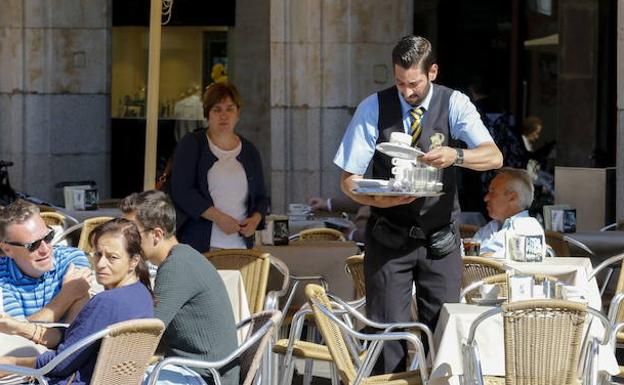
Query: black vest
[429, 214]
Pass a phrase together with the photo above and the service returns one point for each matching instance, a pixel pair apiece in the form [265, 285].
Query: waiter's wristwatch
[459, 159]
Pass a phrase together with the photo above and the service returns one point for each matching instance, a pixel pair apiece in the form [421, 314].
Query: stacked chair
[353, 367]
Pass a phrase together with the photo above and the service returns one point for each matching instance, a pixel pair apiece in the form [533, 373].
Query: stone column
[326, 56]
[577, 83]
[249, 70]
[620, 114]
[54, 93]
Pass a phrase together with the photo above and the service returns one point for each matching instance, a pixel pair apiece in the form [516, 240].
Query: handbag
[443, 241]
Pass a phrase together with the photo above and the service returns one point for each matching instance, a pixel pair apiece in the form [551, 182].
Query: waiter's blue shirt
[358, 144]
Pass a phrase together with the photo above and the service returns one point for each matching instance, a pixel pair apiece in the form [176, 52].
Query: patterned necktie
[417, 114]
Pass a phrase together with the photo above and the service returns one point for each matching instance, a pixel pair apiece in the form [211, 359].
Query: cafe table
[305, 258]
[572, 271]
[603, 243]
[455, 320]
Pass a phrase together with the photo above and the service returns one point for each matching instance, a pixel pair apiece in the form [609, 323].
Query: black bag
[443, 241]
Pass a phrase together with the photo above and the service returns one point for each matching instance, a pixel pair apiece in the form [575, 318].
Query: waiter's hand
[390, 201]
[440, 157]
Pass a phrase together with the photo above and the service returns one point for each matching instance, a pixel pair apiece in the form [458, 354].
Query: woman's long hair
[132, 241]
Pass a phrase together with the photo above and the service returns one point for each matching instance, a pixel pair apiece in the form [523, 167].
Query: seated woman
[217, 184]
[119, 267]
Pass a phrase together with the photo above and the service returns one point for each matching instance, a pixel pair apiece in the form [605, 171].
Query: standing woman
[217, 184]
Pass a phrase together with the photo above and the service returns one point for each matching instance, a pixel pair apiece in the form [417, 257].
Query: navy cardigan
[190, 193]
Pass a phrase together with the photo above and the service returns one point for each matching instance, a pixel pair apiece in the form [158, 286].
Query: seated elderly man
[39, 282]
[508, 199]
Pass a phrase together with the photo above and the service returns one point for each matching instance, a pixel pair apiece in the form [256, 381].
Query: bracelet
[37, 334]
[32, 337]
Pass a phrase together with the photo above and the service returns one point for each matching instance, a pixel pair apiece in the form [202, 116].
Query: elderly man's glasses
[33, 246]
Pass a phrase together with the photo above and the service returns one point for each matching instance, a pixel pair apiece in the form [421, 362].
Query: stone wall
[620, 113]
[248, 43]
[326, 56]
[54, 93]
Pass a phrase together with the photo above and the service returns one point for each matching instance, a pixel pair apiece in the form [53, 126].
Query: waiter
[413, 240]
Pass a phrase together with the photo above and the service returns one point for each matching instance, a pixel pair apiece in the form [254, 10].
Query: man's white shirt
[492, 236]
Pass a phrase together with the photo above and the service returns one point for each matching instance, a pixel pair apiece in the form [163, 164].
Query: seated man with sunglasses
[39, 282]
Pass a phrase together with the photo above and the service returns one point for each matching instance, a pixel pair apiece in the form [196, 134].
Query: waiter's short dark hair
[152, 208]
[413, 50]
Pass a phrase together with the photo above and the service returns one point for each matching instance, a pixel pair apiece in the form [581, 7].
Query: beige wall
[181, 62]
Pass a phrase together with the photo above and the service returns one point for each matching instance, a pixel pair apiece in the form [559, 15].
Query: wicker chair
[616, 310]
[295, 347]
[556, 240]
[467, 231]
[87, 227]
[321, 234]
[116, 362]
[354, 266]
[477, 268]
[349, 369]
[52, 218]
[254, 267]
[250, 353]
[543, 341]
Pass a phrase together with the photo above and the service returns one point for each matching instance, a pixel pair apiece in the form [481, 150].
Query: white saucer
[394, 150]
[371, 182]
[489, 301]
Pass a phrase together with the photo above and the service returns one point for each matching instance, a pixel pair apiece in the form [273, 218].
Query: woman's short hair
[131, 236]
[218, 92]
[530, 124]
[152, 209]
[17, 212]
[520, 182]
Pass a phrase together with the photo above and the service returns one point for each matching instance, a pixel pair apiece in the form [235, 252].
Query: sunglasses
[33, 246]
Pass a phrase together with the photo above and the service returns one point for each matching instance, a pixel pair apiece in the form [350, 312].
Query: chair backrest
[332, 335]
[321, 234]
[52, 218]
[87, 227]
[477, 268]
[354, 266]
[126, 351]
[467, 231]
[251, 358]
[556, 240]
[254, 267]
[542, 341]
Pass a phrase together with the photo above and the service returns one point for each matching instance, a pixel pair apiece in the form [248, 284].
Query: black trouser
[389, 275]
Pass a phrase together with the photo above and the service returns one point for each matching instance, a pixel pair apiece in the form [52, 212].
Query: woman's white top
[227, 183]
[527, 143]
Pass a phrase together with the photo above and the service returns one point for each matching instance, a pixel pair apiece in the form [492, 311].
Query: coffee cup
[472, 247]
[401, 138]
[402, 162]
[401, 172]
[489, 291]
